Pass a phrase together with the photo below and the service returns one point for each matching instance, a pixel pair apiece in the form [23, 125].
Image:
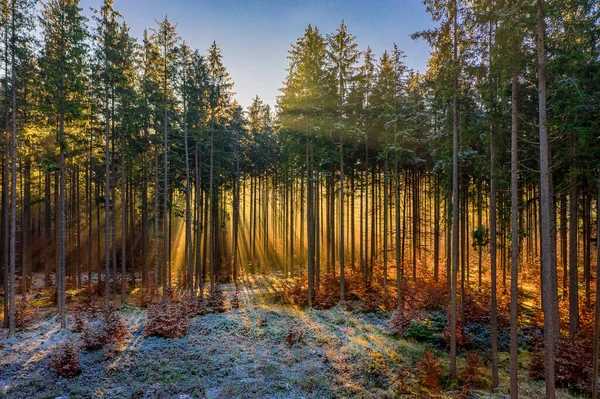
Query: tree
[167, 40]
[185, 57]
[219, 107]
[62, 65]
[106, 37]
[342, 56]
[549, 292]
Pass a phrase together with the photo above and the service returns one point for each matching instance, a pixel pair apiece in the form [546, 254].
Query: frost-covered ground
[242, 353]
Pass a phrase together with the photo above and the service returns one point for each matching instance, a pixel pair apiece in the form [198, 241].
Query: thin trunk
[573, 272]
[397, 209]
[166, 213]
[514, 269]
[310, 226]
[107, 188]
[548, 285]
[342, 272]
[385, 225]
[236, 208]
[453, 313]
[123, 218]
[13, 185]
[188, 200]
[597, 308]
[436, 229]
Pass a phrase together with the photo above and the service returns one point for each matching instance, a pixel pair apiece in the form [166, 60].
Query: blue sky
[255, 36]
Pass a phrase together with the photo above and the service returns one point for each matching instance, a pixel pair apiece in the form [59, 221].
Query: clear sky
[255, 35]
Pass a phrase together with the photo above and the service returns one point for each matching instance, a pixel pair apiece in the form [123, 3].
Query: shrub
[216, 300]
[402, 381]
[50, 294]
[574, 364]
[90, 304]
[115, 327]
[167, 319]
[262, 322]
[111, 329]
[430, 371]
[235, 299]
[328, 294]
[294, 335]
[149, 294]
[399, 322]
[294, 294]
[420, 330]
[79, 320]
[462, 339]
[536, 363]
[190, 305]
[24, 312]
[94, 336]
[471, 374]
[65, 359]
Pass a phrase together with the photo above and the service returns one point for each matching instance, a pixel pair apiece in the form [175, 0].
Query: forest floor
[261, 350]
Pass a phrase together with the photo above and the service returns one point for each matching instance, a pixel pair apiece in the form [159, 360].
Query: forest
[377, 233]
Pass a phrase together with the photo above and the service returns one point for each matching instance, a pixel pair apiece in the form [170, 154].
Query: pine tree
[167, 40]
[62, 65]
[343, 56]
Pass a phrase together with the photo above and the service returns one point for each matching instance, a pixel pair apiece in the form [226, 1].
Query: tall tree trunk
[311, 226]
[107, 191]
[548, 285]
[90, 213]
[236, 208]
[573, 270]
[123, 217]
[397, 212]
[26, 227]
[188, 201]
[62, 224]
[156, 220]
[211, 211]
[166, 211]
[385, 226]
[563, 243]
[415, 222]
[494, 321]
[453, 313]
[342, 272]
[436, 229]
[13, 184]
[514, 269]
[597, 307]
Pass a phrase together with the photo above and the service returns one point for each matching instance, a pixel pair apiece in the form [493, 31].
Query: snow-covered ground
[242, 353]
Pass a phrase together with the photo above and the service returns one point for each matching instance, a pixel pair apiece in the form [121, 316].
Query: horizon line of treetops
[131, 159]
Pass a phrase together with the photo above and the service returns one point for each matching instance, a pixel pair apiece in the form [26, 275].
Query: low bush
[420, 330]
[574, 364]
[24, 312]
[536, 363]
[97, 333]
[167, 319]
[149, 295]
[65, 359]
[402, 380]
[430, 371]
[472, 375]
[216, 300]
[399, 322]
[235, 300]
[115, 327]
[294, 335]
